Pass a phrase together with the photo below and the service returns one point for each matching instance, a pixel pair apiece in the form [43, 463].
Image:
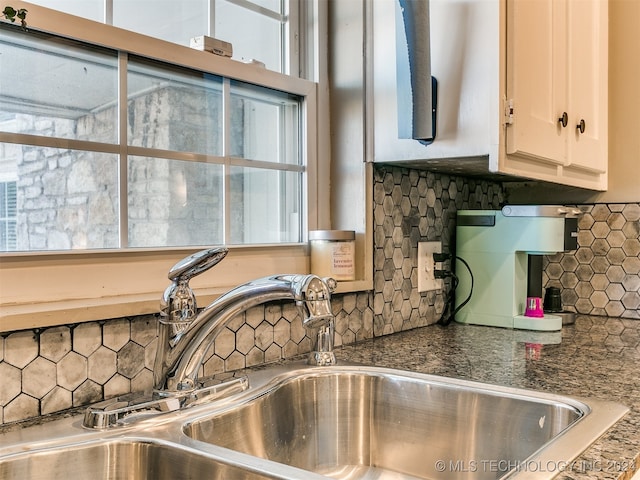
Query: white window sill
[48, 314]
[60, 289]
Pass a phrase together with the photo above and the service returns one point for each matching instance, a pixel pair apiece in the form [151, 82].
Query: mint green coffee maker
[503, 250]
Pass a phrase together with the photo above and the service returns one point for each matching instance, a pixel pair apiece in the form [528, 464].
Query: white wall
[624, 103]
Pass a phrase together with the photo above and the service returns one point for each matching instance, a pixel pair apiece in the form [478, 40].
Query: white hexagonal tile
[11, 383]
[236, 322]
[569, 263]
[254, 357]
[150, 354]
[212, 366]
[101, 365]
[21, 408]
[631, 212]
[20, 348]
[614, 308]
[255, 316]
[273, 353]
[289, 350]
[297, 331]
[600, 246]
[631, 300]
[599, 281]
[290, 311]
[39, 377]
[600, 230]
[599, 299]
[584, 255]
[615, 273]
[264, 336]
[585, 238]
[631, 282]
[273, 313]
[616, 221]
[57, 399]
[88, 392]
[117, 385]
[616, 238]
[282, 332]
[235, 361]
[585, 221]
[130, 360]
[600, 212]
[87, 337]
[631, 247]
[55, 343]
[631, 265]
[614, 291]
[349, 302]
[72, 371]
[144, 330]
[143, 381]
[225, 343]
[116, 334]
[569, 280]
[631, 229]
[245, 339]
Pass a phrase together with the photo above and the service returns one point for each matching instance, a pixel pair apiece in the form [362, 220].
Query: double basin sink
[345, 421]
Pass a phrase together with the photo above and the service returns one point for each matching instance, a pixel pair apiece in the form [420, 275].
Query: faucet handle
[197, 263]
[178, 305]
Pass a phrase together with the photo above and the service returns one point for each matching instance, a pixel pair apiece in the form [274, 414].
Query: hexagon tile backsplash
[602, 277]
[44, 371]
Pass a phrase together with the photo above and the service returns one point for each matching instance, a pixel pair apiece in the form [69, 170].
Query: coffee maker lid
[540, 211]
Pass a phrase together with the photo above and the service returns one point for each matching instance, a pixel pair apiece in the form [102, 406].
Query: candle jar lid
[332, 235]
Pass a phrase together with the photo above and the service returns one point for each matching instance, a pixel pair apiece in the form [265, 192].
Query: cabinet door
[587, 84]
[465, 40]
[536, 79]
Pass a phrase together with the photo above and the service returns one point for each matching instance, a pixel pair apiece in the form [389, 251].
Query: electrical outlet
[427, 266]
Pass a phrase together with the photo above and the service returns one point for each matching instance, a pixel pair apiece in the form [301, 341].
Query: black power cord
[446, 318]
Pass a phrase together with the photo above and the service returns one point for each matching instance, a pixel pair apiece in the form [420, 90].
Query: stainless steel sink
[367, 422]
[301, 422]
[133, 459]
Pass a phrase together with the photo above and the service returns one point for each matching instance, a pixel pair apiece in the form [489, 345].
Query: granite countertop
[597, 357]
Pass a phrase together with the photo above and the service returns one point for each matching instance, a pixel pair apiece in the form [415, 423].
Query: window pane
[253, 36]
[168, 20]
[265, 206]
[64, 199]
[274, 5]
[91, 9]
[265, 124]
[174, 203]
[7, 216]
[57, 88]
[171, 108]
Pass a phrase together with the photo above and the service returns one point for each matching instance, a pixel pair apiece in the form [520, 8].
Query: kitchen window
[200, 159]
[129, 153]
[258, 30]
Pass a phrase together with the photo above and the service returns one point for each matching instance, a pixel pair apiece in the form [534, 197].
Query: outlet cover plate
[426, 266]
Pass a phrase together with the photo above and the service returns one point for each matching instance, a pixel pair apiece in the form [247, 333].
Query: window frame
[39, 289]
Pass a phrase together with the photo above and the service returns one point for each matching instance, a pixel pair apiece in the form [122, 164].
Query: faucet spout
[183, 343]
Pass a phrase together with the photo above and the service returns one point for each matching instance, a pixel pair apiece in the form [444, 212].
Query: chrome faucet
[185, 335]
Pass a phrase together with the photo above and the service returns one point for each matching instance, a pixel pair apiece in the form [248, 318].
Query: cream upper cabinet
[507, 71]
[556, 91]
[464, 38]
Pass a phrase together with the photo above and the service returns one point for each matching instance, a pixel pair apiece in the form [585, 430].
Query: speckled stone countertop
[596, 357]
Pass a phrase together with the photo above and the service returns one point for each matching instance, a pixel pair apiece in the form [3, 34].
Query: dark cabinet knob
[581, 126]
[564, 119]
